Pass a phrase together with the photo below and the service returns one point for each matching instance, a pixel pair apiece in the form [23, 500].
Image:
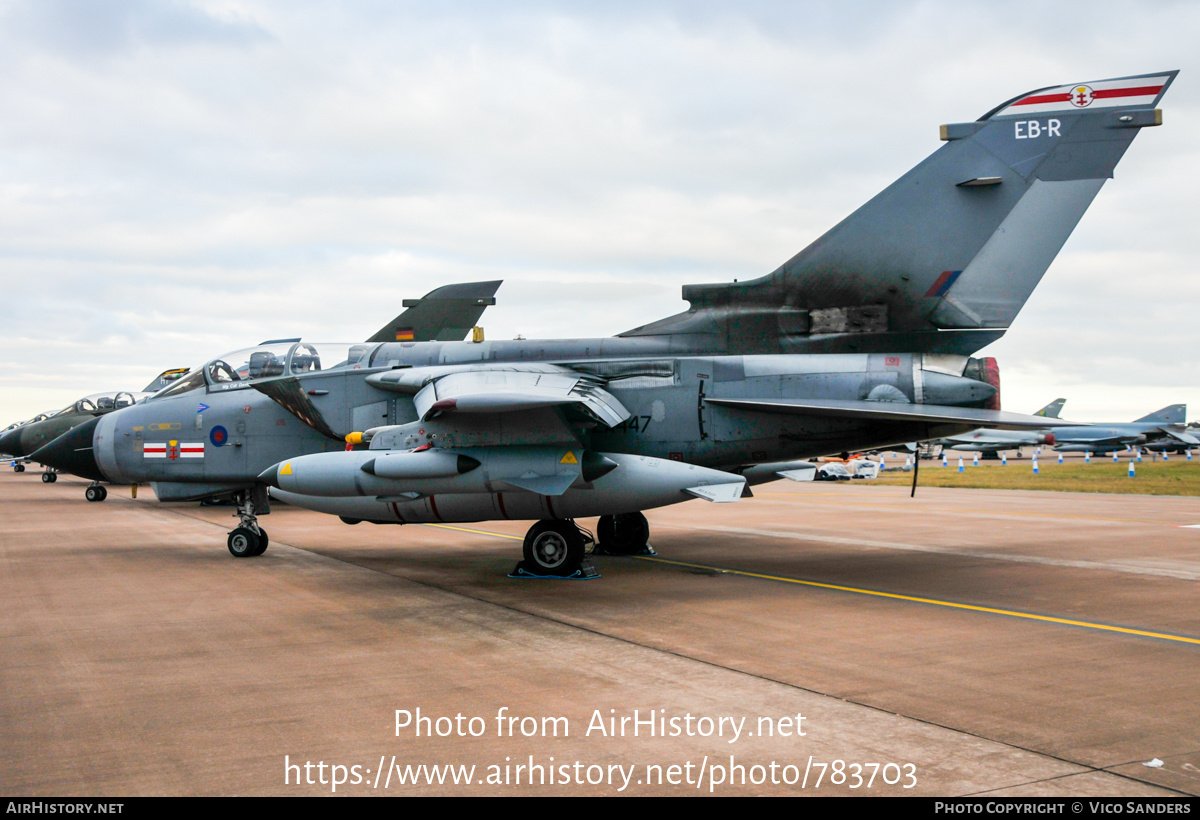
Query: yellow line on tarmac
[477, 532]
[895, 596]
[951, 604]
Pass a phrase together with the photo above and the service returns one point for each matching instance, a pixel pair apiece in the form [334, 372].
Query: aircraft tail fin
[164, 378]
[446, 314]
[947, 255]
[1171, 414]
[1052, 409]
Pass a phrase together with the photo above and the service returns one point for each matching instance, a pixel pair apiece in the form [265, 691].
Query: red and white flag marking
[173, 450]
[1127, 92]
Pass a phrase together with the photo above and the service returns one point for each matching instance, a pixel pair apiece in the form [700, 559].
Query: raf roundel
[218, 436]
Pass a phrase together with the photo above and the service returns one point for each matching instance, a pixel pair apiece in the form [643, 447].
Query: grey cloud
[81, 29]
[176, 179]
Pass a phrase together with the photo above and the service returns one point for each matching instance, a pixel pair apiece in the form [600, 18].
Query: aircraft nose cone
[270, 476]
[72, 452]
[10, 443]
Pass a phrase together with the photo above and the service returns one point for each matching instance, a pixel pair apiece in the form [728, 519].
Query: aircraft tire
[625, 534]
[96, 493]
[263, 541]
[242, 543]
[554, 548]
[18, 468]
[49, 478]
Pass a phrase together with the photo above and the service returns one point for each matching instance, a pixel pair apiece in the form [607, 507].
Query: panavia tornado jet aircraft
[1165, 427]
[861, 341]
[984, 440]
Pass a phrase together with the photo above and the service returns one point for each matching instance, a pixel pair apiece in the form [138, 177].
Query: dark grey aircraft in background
[37, 432]
[20, 440]
[992, 442]
[1162, 428]
[1172, 444]
[448, 312]
[19, 424]
[863, 340]
[17, 441]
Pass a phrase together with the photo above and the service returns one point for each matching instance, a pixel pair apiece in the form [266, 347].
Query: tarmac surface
[981, 643]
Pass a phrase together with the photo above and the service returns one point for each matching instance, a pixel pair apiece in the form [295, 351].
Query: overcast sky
[179, 179]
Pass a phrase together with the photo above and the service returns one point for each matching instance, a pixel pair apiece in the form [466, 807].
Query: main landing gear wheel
[553, 549]
[625, 534]
[18, 468]
[263, 541]
[95, 492]
[49, 478]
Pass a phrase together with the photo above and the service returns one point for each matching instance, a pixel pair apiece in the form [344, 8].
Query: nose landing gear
[249, 539]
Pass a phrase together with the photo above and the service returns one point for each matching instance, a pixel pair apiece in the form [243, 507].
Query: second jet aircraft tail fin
[164, 378]
[943, 259]
[1171, 414]
[1052, 409]
[446, 314]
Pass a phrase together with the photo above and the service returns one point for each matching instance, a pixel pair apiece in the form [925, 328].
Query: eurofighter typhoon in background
[861, 341]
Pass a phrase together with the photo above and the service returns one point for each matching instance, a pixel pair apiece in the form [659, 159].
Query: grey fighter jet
[992, 442]
[861, 341]
[9, 441]
[1165, 427]
[21, 441]
[1172, 444]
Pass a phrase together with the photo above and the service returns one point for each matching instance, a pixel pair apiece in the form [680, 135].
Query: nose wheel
[249, 539]
[244, 542]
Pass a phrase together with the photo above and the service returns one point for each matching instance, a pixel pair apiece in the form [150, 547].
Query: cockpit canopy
[238, 369]
[104, 402]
